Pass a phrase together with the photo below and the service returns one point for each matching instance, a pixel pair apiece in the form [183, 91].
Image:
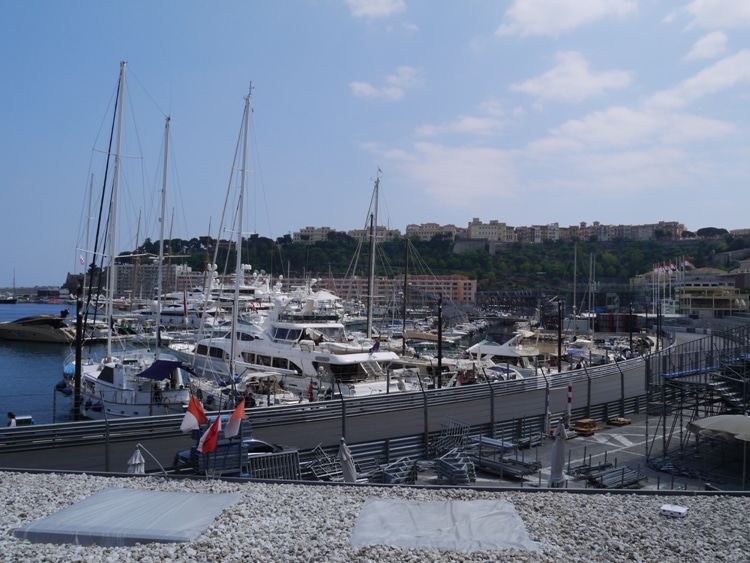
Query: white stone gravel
[283, 522]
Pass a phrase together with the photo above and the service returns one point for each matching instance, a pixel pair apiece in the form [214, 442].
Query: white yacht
[303, 339]
[521, 351]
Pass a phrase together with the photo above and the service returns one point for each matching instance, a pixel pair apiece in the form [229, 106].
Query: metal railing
[44, 436]
[699, 357]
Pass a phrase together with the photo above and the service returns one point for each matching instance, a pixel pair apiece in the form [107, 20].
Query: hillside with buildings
[486, 264]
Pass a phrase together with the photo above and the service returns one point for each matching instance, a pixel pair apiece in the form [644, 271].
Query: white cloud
[718, 13]
[484, 125]
[708, 47]
[396, 84]
[571, 80]
[465, 124]
[492, 107]
[620, 127]
[462, 176]
[550, 17]
[721, 75]
[613, 127]
[375, 8]
[405, 77]
[364, 90]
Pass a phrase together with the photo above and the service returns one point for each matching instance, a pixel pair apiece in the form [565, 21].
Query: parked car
[254, 446]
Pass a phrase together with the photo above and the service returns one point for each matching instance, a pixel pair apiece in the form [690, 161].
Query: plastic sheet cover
[124, 517]
[462, 526]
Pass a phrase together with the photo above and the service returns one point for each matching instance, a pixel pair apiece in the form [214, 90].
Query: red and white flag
[233, 426]
[210, 438]
[688, 264]
[194, 416]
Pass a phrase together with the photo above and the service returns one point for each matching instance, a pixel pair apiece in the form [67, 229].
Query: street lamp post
[630, 325]
[559, 336]
[440, 342]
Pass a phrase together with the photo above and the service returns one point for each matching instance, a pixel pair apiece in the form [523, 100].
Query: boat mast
[575, 285]
[170, 284]
[371, 279]
[112, 278]
[240, 210]
[159, 274]
[592, 274]
[136, 261]
[406, 296]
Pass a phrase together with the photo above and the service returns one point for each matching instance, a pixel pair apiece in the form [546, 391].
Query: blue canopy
[160, 369]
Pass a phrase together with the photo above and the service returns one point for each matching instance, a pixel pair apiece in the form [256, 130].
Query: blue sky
[524, 111]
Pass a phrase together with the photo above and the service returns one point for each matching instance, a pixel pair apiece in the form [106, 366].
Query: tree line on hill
[513, 266]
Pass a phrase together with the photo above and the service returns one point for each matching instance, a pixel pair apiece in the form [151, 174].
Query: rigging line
[101, 203]
[129, 194]
[179, 196]
[132, 76]
[221, 227]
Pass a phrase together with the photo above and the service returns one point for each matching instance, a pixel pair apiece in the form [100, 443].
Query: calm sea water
[29, 371]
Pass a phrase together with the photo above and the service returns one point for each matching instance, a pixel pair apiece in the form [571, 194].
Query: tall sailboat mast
[575, 285]
[112, 275]
[373, 242]
[240, 211]
[159, 274]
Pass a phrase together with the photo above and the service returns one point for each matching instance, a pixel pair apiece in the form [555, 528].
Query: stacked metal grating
[452, 435]
[403, 471]
[616, 478]
[455, 468]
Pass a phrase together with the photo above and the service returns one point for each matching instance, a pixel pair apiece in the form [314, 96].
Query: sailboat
[9, 298]
[138, 382]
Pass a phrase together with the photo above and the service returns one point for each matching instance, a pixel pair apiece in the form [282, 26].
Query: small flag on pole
[194, 416]
[81, 260]
[233, 426]
[210, 438]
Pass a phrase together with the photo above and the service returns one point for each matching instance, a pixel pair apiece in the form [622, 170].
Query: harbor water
[29, 371]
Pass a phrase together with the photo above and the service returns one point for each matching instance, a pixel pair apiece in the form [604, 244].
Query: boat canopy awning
[160, 369]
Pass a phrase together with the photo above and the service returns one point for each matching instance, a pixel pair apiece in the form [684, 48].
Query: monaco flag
[210, 438]
[194, 416]
[233, 426]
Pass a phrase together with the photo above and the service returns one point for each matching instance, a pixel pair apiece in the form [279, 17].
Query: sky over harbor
[529, 112]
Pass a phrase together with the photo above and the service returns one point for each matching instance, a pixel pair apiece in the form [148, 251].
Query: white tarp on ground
[124, 517]
[463, 526]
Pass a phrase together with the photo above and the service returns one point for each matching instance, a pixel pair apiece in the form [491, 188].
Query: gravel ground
[285, 522]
